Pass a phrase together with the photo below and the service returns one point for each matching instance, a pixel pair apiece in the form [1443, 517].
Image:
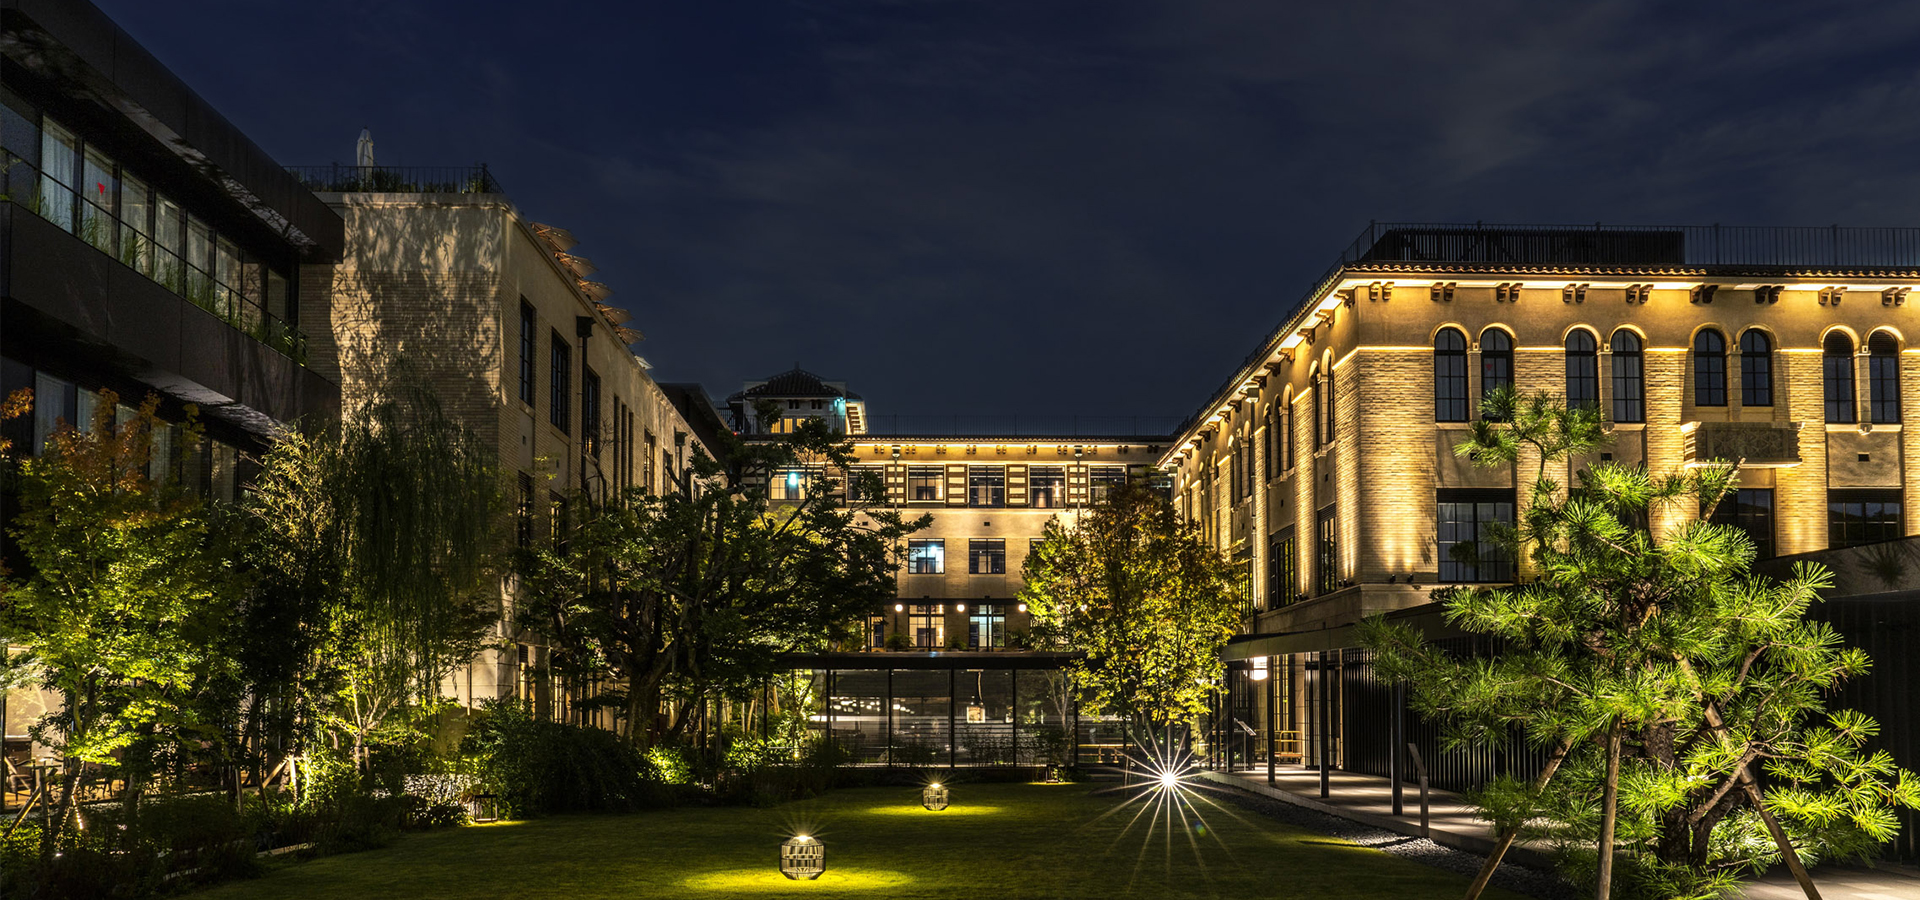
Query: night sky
[1041, 208]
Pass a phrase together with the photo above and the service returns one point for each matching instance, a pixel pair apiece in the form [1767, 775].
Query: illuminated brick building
[1325, 464]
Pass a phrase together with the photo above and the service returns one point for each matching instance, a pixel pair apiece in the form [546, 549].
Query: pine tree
[1680, 695]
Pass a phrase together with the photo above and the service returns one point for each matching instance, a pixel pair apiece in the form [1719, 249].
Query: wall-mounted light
[1259, 672]
[899, 607]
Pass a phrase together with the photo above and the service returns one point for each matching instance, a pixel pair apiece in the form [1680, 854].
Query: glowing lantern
[1053, 774]
[802, 858]
[1259, 672]
[483, 808]
[934, 796]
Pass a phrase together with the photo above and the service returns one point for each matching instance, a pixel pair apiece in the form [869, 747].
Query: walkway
[1368, 799]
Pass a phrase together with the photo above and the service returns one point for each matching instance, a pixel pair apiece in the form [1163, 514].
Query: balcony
[1754, 445]
[398, 179]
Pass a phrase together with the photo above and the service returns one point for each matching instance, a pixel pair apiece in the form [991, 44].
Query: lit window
[987, 626]
[987, 486]
[1103, 481]
[926, 557]
[986, 556]
[1047, 487]
[925, 482]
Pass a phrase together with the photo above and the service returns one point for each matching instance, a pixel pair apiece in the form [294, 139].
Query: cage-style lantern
[1053, 774]
[934, 797]
[802, 858]
[483, 808]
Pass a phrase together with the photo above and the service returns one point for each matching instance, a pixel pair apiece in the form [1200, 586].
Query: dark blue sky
[1037, 207]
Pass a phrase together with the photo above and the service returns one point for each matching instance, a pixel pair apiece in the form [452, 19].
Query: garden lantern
[1053, 774]
[483, 808]
[802, 858]
[934, 796]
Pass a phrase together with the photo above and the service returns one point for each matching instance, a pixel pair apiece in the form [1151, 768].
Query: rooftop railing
[398, 179]
[1023, 426]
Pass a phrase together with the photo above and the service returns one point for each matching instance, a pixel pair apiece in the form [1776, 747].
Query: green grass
[997, 841]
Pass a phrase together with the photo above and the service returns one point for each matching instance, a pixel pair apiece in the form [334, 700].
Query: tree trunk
[1780, 837]
[55, 822]
[1609, 814]
[1487, 869]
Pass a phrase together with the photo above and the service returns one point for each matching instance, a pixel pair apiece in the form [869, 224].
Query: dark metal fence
[398, 179]
[1157, 427]
[1369, 712]
[1886, 628]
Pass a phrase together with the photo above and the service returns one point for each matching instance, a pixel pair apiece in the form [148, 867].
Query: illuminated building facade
[1326, 466]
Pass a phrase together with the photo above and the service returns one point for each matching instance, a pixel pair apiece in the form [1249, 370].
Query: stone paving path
[1368, 799]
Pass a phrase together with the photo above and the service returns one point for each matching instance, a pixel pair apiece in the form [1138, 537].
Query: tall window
[1102, 481]
[925, 482]
[1629, 378]
[1319, 429]
[526, 353]
[1883, 378]
[1283, 569]
[876, 632]
[1583, 370]
[987, 486]
[560, 385]
[1756, 369]
[1326, 559]
[928, 621]
[1449, 376]
[1272, 440]
[1709, 368]
[590, 411]
[1496, 362]
[987, 556]
[987, 626]
[1047, 487]
[1856, 517]
[1751, 511]
[1286, 431]
[926, 557]
[1837, 368]
[523, 516]
[1333, 405]
[1468, 552]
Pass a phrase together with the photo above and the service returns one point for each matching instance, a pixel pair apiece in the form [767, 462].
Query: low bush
[538, 768]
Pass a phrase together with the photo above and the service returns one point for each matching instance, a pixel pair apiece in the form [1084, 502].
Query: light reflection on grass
[917, 810]
[768, 880]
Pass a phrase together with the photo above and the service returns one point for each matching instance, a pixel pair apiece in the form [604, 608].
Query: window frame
[1582, 368]
[986, 486]
[1839, 400]
[1756, 369]
[1496, 363]
[529, 343]
[560, 383]
[1737, 510]
[926, 556]
[1449, 404]
[1496, 568]
[1709, 368]
[1842, 533]
[986, 556]
[1627, 370]
[1883, 378]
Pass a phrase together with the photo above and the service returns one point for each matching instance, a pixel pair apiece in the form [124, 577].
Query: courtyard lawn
[997, 840]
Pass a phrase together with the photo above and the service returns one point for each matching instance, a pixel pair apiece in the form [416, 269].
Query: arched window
[1450, 376]
[1333, 404]
[1319, 433]
[1836, 366]
[1883, 378]
[1286, 430]
[1583, 370]
[1709, 368]
[1271, 439]
[1496, 362]
[1629, 378]
[1756, 369]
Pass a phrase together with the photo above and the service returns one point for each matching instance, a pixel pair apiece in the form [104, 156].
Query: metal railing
[398, 179]
[1024, 426]
[1695, 246]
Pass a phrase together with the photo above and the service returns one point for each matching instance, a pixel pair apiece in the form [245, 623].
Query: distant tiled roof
[795, 382]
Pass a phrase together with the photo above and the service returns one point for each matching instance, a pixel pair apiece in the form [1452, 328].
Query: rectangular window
[987, 486]
[560, 385]
[987, 626]
[1326, 559]
[527, 325]
[1856, 517]
[59, 164]
[876, 632]
[926, 557]
[1751, 511]
[1102, 481]
[1047, 487]
[1468, 552]
[928, 621]
[1283, 569]
[590, 411]
[926, 482]
[790, 484]
[986, 556]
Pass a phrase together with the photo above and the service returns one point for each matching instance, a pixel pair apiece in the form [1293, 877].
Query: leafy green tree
[124, 606]
[378, 549]
[695, 593]
[1658, 671]
[1146, 601]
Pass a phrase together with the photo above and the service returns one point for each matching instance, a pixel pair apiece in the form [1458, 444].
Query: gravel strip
[1516, 878]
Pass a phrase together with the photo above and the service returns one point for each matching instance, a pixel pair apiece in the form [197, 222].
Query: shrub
[536, 768]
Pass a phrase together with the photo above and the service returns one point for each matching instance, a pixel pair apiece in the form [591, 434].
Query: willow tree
[1681, 697]
[1144, 600]
[697, 592]
[379, 544]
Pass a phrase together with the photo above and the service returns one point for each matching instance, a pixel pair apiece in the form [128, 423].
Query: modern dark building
[147, 247]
